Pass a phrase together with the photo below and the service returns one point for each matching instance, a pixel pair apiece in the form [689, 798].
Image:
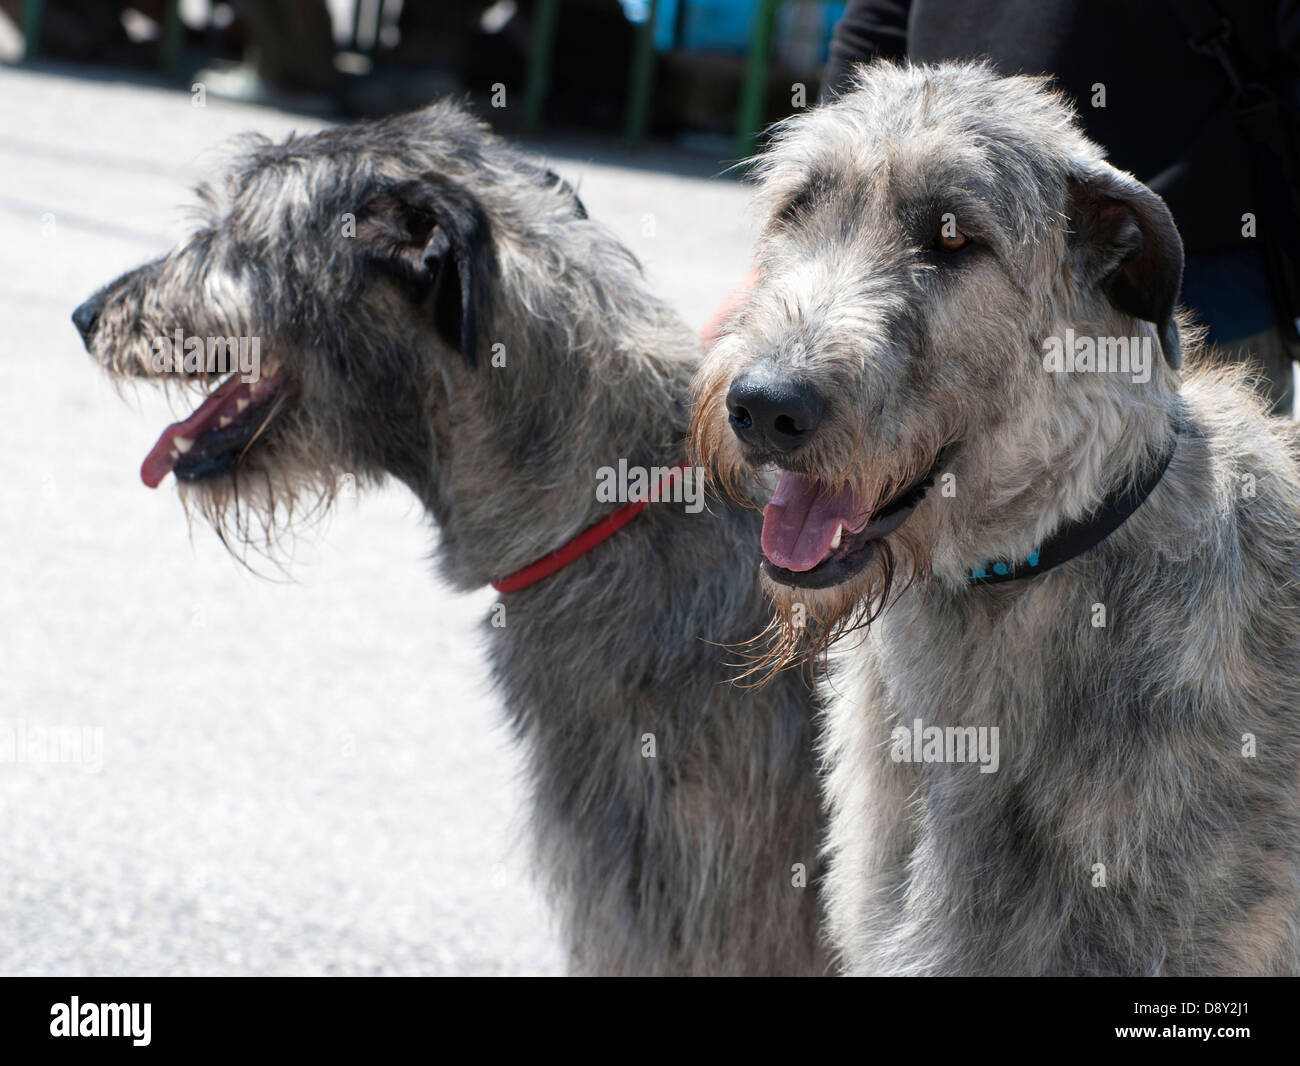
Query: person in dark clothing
[1162, 110]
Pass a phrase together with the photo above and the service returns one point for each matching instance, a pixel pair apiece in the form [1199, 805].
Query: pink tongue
[225, 401]
[799, 524]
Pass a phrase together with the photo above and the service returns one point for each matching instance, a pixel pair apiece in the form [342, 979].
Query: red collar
[584, 541]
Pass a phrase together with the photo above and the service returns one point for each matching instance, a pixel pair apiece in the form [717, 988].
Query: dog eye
[950, 240]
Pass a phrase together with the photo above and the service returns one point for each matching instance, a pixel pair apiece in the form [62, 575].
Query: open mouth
[216, 436]
[815, 540]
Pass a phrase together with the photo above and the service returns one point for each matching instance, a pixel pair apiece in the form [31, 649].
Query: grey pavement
[302, 776]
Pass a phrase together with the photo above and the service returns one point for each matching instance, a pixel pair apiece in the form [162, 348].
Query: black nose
[772, 410]
[86, 317]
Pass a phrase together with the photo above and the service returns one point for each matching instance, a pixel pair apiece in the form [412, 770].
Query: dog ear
[552, 178]
[1128, 245]
[435, 233]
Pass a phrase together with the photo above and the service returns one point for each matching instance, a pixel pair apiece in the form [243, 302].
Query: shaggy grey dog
[1068, 741]
[431, 305]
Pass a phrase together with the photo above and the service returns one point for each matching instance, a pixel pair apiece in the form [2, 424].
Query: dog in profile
[431, 305]
[1056, 548]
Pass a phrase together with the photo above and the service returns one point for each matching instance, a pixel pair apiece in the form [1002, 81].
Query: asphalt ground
[294, 776]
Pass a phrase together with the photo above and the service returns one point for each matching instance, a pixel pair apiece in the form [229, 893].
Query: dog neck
[594, 534]
[531, 475]
[1037, 508]
[1073, 538]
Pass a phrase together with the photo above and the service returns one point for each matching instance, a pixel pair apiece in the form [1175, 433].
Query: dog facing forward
[1064, 737]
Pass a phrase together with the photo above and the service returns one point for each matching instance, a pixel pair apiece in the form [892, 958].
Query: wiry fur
[678, 864]
[1121, 743]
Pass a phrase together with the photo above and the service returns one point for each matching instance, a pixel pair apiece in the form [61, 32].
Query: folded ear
[552, 178]
[435, 233]
[1126, 244]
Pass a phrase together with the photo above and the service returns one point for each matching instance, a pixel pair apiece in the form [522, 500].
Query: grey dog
[1055, 545]
[434, 306]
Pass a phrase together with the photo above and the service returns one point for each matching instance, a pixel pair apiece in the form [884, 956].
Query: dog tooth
[839, 535]
[241, 403]
[224, 421]
[183, 444]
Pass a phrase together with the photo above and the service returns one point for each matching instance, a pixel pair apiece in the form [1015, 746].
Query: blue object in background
[715, 25]
[1229, 292]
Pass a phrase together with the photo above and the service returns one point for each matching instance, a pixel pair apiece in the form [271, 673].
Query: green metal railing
[753, 94]
[640, 89]
[749, 119]
[33, 20]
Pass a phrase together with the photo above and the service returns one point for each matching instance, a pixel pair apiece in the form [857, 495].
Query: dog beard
[258, 508]
[806, 622]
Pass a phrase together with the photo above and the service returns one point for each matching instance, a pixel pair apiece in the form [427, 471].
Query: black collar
[1075, 538]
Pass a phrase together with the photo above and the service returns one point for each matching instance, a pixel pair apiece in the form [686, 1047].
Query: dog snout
[86, 316]
[773, 411]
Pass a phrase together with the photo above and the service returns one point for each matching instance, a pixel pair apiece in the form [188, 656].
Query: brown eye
[951, 241]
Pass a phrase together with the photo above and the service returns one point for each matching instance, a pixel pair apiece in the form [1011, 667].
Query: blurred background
[203, 771]
[706, 73]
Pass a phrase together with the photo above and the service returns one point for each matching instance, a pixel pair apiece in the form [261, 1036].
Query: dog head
[926, 236]
[340, 315]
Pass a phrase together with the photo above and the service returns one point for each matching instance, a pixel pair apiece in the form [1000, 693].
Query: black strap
[1255, 101]
[1209, 31]
[1075, 538]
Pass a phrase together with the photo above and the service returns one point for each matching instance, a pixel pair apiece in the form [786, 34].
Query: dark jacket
[1167, 117]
